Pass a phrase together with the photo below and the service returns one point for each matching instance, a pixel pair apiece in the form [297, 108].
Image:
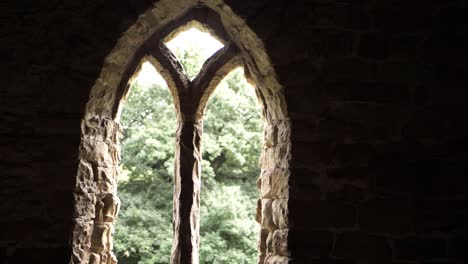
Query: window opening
[232, 145]
[192, 48]
[232, 140]
[144, 227]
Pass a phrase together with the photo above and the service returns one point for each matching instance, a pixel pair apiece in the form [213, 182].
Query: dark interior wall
[376, 92]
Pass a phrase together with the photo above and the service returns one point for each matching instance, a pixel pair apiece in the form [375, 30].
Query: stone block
[112, 259]
[358, 176]
[85, 172]
[280, 242]
[284, 131]
[313, 244]
[267, 214]
[84, 206]
[274, 183]
[362, 247]
[261, 258]
[276, 260]
[352, 154]
[95, 150]
[305, 184]
[106, 178]
[304, 176]
[93, 126]
[78, 255]
[344, 192]
[315, 215]
[113, 131]
[271, 136]
[389, 216]
[349, 184]
[277, 156]
[95, 258]
[269, 242]
[370, 120]
[262, 245]
[258, 212]
[314, 154]
[107, 208]
[82, 231]
[280, 213]
[100, 237]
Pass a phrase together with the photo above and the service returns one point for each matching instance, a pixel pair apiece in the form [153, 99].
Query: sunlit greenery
[231, 147]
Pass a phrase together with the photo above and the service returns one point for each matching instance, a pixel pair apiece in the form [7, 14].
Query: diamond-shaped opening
[192, 45]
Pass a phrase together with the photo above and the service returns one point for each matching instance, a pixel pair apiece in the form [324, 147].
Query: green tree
[231, 147]
[144, 229]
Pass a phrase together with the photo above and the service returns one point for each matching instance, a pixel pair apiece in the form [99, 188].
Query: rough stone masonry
[190, 98]
[365, 103]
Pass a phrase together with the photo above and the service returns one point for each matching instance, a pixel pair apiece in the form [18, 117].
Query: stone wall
[96, 203]
[376, 98]
[273, 183]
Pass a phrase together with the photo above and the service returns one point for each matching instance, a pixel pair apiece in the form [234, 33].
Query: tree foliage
[231, 147]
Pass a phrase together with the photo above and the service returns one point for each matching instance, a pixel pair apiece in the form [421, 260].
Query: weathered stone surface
[280, 242]
[94, 258]
[276, 260]
[81, 240]
[279, 210]
[271, 136]
[107, 208]
[84, 205]
[106, 178]
[96, 205]
[274, 183]
[187, 193]
[263, 236]
[100, 238]
[97, 151]
[267, 215]
[258, 213]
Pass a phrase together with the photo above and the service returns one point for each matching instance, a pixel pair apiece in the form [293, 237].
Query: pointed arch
[96, 203]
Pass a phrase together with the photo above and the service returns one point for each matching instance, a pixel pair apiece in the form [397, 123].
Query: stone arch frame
[96, 203]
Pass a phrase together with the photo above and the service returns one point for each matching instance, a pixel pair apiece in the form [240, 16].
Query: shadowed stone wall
[376, 96]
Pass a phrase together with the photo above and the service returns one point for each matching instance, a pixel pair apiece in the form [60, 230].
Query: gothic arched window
[96, 203]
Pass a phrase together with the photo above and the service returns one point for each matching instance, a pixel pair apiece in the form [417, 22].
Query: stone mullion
[187, 193]
[186, 203]
[212, 66]
[169, 63]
